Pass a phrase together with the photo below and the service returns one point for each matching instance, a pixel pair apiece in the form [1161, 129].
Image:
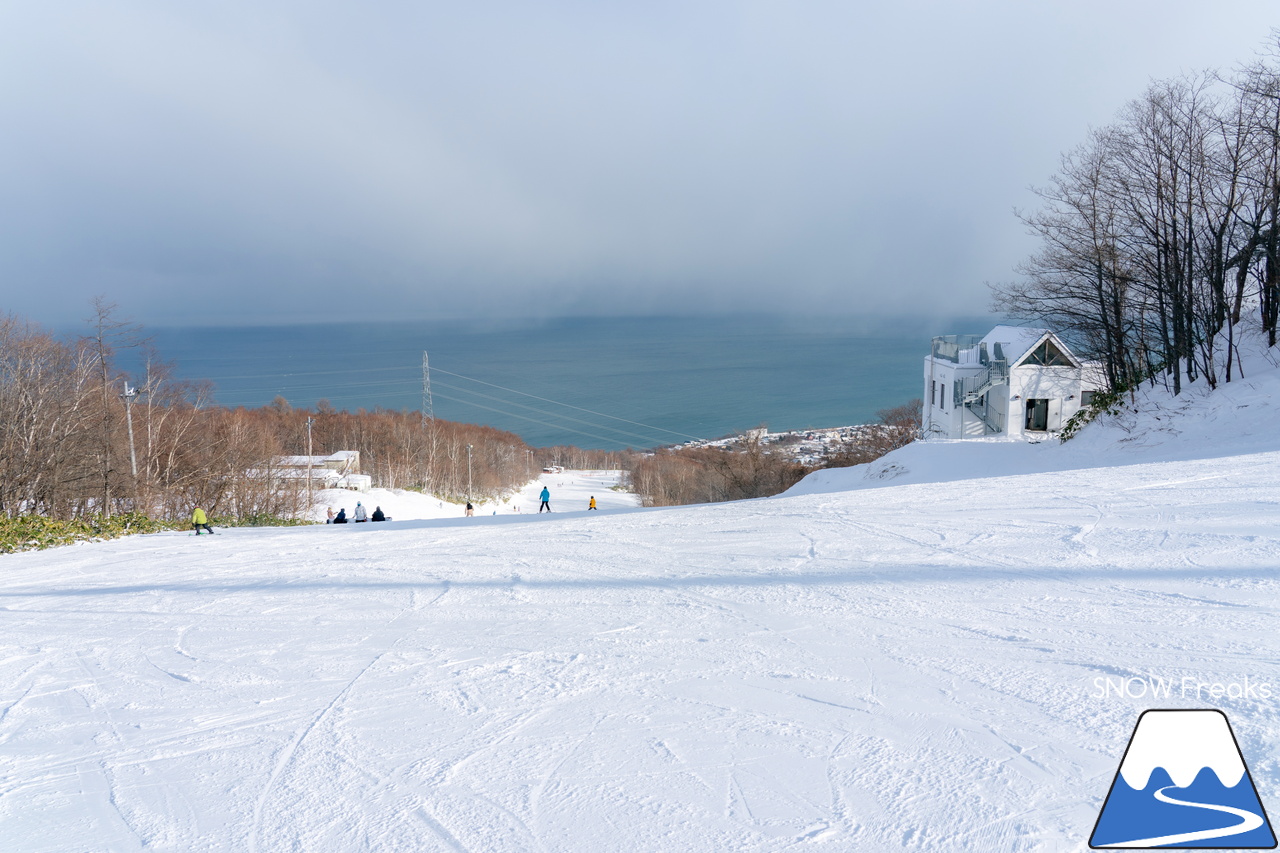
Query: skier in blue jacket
[545, 497]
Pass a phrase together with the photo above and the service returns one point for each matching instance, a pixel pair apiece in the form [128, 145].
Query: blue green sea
[592, 382]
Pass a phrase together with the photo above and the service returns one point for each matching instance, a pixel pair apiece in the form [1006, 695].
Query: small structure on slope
[1013, 381]
[339, 470]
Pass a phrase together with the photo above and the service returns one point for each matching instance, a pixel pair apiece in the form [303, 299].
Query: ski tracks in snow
[906, 669]
[290, 750]
[295, 824]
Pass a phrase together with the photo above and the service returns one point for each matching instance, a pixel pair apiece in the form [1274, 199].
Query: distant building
[1013, 382]
[339, 470]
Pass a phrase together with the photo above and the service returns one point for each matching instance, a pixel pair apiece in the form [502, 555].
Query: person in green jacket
[199, 519]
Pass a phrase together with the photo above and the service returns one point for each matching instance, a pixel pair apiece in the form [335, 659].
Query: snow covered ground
[912, 660]
[571, 491]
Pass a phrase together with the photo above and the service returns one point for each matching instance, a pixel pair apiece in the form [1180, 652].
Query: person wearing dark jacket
[378, 514]
[341, 517]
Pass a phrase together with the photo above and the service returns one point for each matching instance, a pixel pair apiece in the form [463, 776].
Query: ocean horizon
[604, 383]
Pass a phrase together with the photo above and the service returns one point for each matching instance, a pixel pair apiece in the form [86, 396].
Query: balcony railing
[949, 347]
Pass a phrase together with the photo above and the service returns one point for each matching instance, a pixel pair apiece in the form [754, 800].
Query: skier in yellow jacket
[199, 519]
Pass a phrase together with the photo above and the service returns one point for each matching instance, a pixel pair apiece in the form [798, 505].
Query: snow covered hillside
[571, 491]
[922, 665]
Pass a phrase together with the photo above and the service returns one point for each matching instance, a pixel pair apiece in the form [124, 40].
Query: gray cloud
[265, 162]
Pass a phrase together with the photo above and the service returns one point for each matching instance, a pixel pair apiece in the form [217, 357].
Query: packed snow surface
[949, 654]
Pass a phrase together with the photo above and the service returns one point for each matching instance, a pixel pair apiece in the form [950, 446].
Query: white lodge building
[1012, 382]
[339, 470]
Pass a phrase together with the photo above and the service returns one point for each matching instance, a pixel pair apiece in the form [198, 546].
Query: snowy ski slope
[916, 659]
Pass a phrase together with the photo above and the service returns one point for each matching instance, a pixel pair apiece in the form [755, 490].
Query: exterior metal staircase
[974, 389]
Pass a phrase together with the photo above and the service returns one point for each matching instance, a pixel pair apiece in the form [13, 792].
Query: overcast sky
[249, 162]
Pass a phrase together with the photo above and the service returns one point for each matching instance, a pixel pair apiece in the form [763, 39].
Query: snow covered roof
[1012, 343]
[341, 457]
[299, 461]
[1015, 341]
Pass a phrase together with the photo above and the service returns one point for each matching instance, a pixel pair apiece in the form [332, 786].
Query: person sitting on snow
[361, 514]
[378, 514]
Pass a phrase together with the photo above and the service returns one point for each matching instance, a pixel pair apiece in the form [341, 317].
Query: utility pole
[468, 473]
[428, 416]
[310, 460]
[428, 421]
[129, 395]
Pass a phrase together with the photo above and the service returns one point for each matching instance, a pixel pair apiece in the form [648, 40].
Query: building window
[1047, 355]
[1086, 398]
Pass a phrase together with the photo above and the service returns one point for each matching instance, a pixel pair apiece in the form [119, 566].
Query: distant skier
[471, 510]
[378, 514]
[545, 497]
[592, 505]
[199, 519]
[361, 514]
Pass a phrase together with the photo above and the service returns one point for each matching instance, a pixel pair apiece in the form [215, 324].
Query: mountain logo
[1183, 784]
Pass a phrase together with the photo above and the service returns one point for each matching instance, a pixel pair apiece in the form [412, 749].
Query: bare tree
[109, 334]
[45, 416]
[897, 427]
[1079, 280]
[1153, 230]
[1259, 87]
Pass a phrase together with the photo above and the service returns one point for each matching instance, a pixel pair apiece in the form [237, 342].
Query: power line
[386, 384]
[645, 438]
[357, 399]
[318, 373]
[533, 420]
[390, 384]
[568, 405]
